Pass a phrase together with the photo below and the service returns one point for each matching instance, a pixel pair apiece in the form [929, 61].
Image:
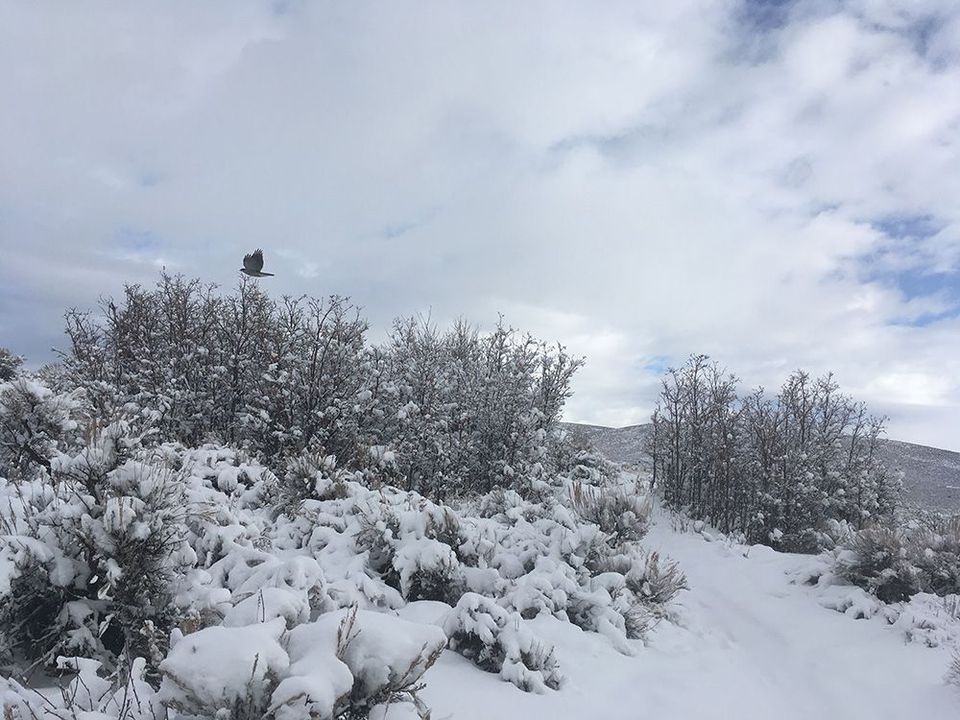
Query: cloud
[773, 184]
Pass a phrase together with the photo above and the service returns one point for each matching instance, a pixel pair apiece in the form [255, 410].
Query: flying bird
[253, 264]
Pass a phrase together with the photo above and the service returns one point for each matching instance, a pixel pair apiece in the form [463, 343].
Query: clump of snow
[318, 681]
[353, 656]
[221, 667]
[384, 653]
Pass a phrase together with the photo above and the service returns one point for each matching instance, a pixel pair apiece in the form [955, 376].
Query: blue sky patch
[658, 364]
[903, 264]
[912, 226]
[764, 15]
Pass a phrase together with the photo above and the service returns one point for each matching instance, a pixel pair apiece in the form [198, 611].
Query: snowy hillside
[624, 445]
[931, 476]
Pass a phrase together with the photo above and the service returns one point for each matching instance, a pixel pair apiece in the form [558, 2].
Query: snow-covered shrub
[921, 556]
[428, 570]
[35, 424]
[10, 365]
[444, 527]
[219, 668]
[953, 673]
[312, 476]
[877, 560]
[834, 533]
[656, 582]
[379, 528]
[343, 665]
[403, 545]
[88, 694]
[498, 641]
[31, 607]
[605, 606]
[617, 511]
[935, 547]
[386, 657]
[581, 462]
[637, 620]
[98, 546]
[506, 504]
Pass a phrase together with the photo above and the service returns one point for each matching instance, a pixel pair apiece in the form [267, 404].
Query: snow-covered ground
[750, 642]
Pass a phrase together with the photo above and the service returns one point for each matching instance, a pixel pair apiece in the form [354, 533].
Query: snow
[427, 612]
[267, 604]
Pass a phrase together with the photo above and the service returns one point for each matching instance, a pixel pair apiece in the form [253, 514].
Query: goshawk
[253, 264]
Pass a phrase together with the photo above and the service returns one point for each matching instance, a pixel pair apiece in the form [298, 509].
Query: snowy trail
[788, 656]
[751, 645]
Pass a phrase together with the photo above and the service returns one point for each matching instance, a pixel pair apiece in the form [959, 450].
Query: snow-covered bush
[35, 424]
[602, 610]
[88, 694]
[617, 511]
[935, 548]
[313, 476]
[386, 657]
[656, 582]
[96, 547]
[953, 673]
[428, 570]
[10, 365]
[877, 560]
[342, 666]
[509, 504]
[220, 668]
[498, 641]
[893, 564]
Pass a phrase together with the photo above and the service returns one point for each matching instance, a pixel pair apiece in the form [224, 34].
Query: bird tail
[266, 274]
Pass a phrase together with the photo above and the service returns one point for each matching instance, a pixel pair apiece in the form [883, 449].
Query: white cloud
[638, 182]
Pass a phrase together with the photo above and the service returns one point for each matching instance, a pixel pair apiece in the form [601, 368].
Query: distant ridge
[931, 476]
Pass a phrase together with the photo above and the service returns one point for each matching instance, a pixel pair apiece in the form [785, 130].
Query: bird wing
[254, 261]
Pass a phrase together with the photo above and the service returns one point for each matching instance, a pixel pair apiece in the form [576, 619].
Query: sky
[774, 184]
